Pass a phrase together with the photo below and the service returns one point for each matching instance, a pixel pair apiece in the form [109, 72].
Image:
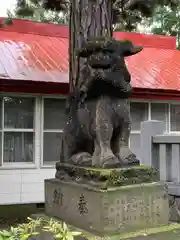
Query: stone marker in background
[99, 184]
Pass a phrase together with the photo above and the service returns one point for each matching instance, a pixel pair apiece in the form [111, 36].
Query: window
[135, 144]
[17, 129]
[159, 111]
[0, 131]
[31, 128]
[139, 113]
[54, 118]
[175, 117]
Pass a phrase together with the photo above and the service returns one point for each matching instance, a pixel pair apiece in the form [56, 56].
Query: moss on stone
[125, 41]
[105, 178]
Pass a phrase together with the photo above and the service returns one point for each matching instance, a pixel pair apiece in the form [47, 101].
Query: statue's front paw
[81, 159]
[110, 162]
[127, 157]
[131, 160]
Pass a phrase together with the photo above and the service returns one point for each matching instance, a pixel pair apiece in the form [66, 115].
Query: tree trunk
[88, 18]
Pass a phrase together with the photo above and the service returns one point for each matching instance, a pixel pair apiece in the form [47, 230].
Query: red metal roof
[148, 40]
[155, 69]
[52, 30]
[33, 57]
[39, 52]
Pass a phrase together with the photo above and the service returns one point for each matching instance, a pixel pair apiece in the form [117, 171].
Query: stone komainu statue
[98, 126]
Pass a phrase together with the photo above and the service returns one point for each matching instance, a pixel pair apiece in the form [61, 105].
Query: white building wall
[23, 186]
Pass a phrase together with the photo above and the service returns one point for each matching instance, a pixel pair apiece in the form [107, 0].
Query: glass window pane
[0, 113]
[54, 113]
[139, 113]
[175, 117]
[135, 144]
[159, 111]
[18, 147]
[0, 148]
[18, 112]
[52, 147]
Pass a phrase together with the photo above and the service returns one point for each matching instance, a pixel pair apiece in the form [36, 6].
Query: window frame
[149, 101]
[167, 125]
[148, 112]
[135, 132]
[48, 164]
[19, 165]
[172, 103]
[39, 131]
[169, 102]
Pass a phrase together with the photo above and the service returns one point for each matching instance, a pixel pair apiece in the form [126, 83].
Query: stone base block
[114, 210]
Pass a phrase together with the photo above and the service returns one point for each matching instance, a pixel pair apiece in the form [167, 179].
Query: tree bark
[88, 18]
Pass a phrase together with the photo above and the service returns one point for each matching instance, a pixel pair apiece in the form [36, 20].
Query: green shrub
[25, 231]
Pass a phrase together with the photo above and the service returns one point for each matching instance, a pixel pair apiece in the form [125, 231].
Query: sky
[5, 5]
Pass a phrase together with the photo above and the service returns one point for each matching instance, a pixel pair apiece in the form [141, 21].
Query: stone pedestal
[105, 209]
